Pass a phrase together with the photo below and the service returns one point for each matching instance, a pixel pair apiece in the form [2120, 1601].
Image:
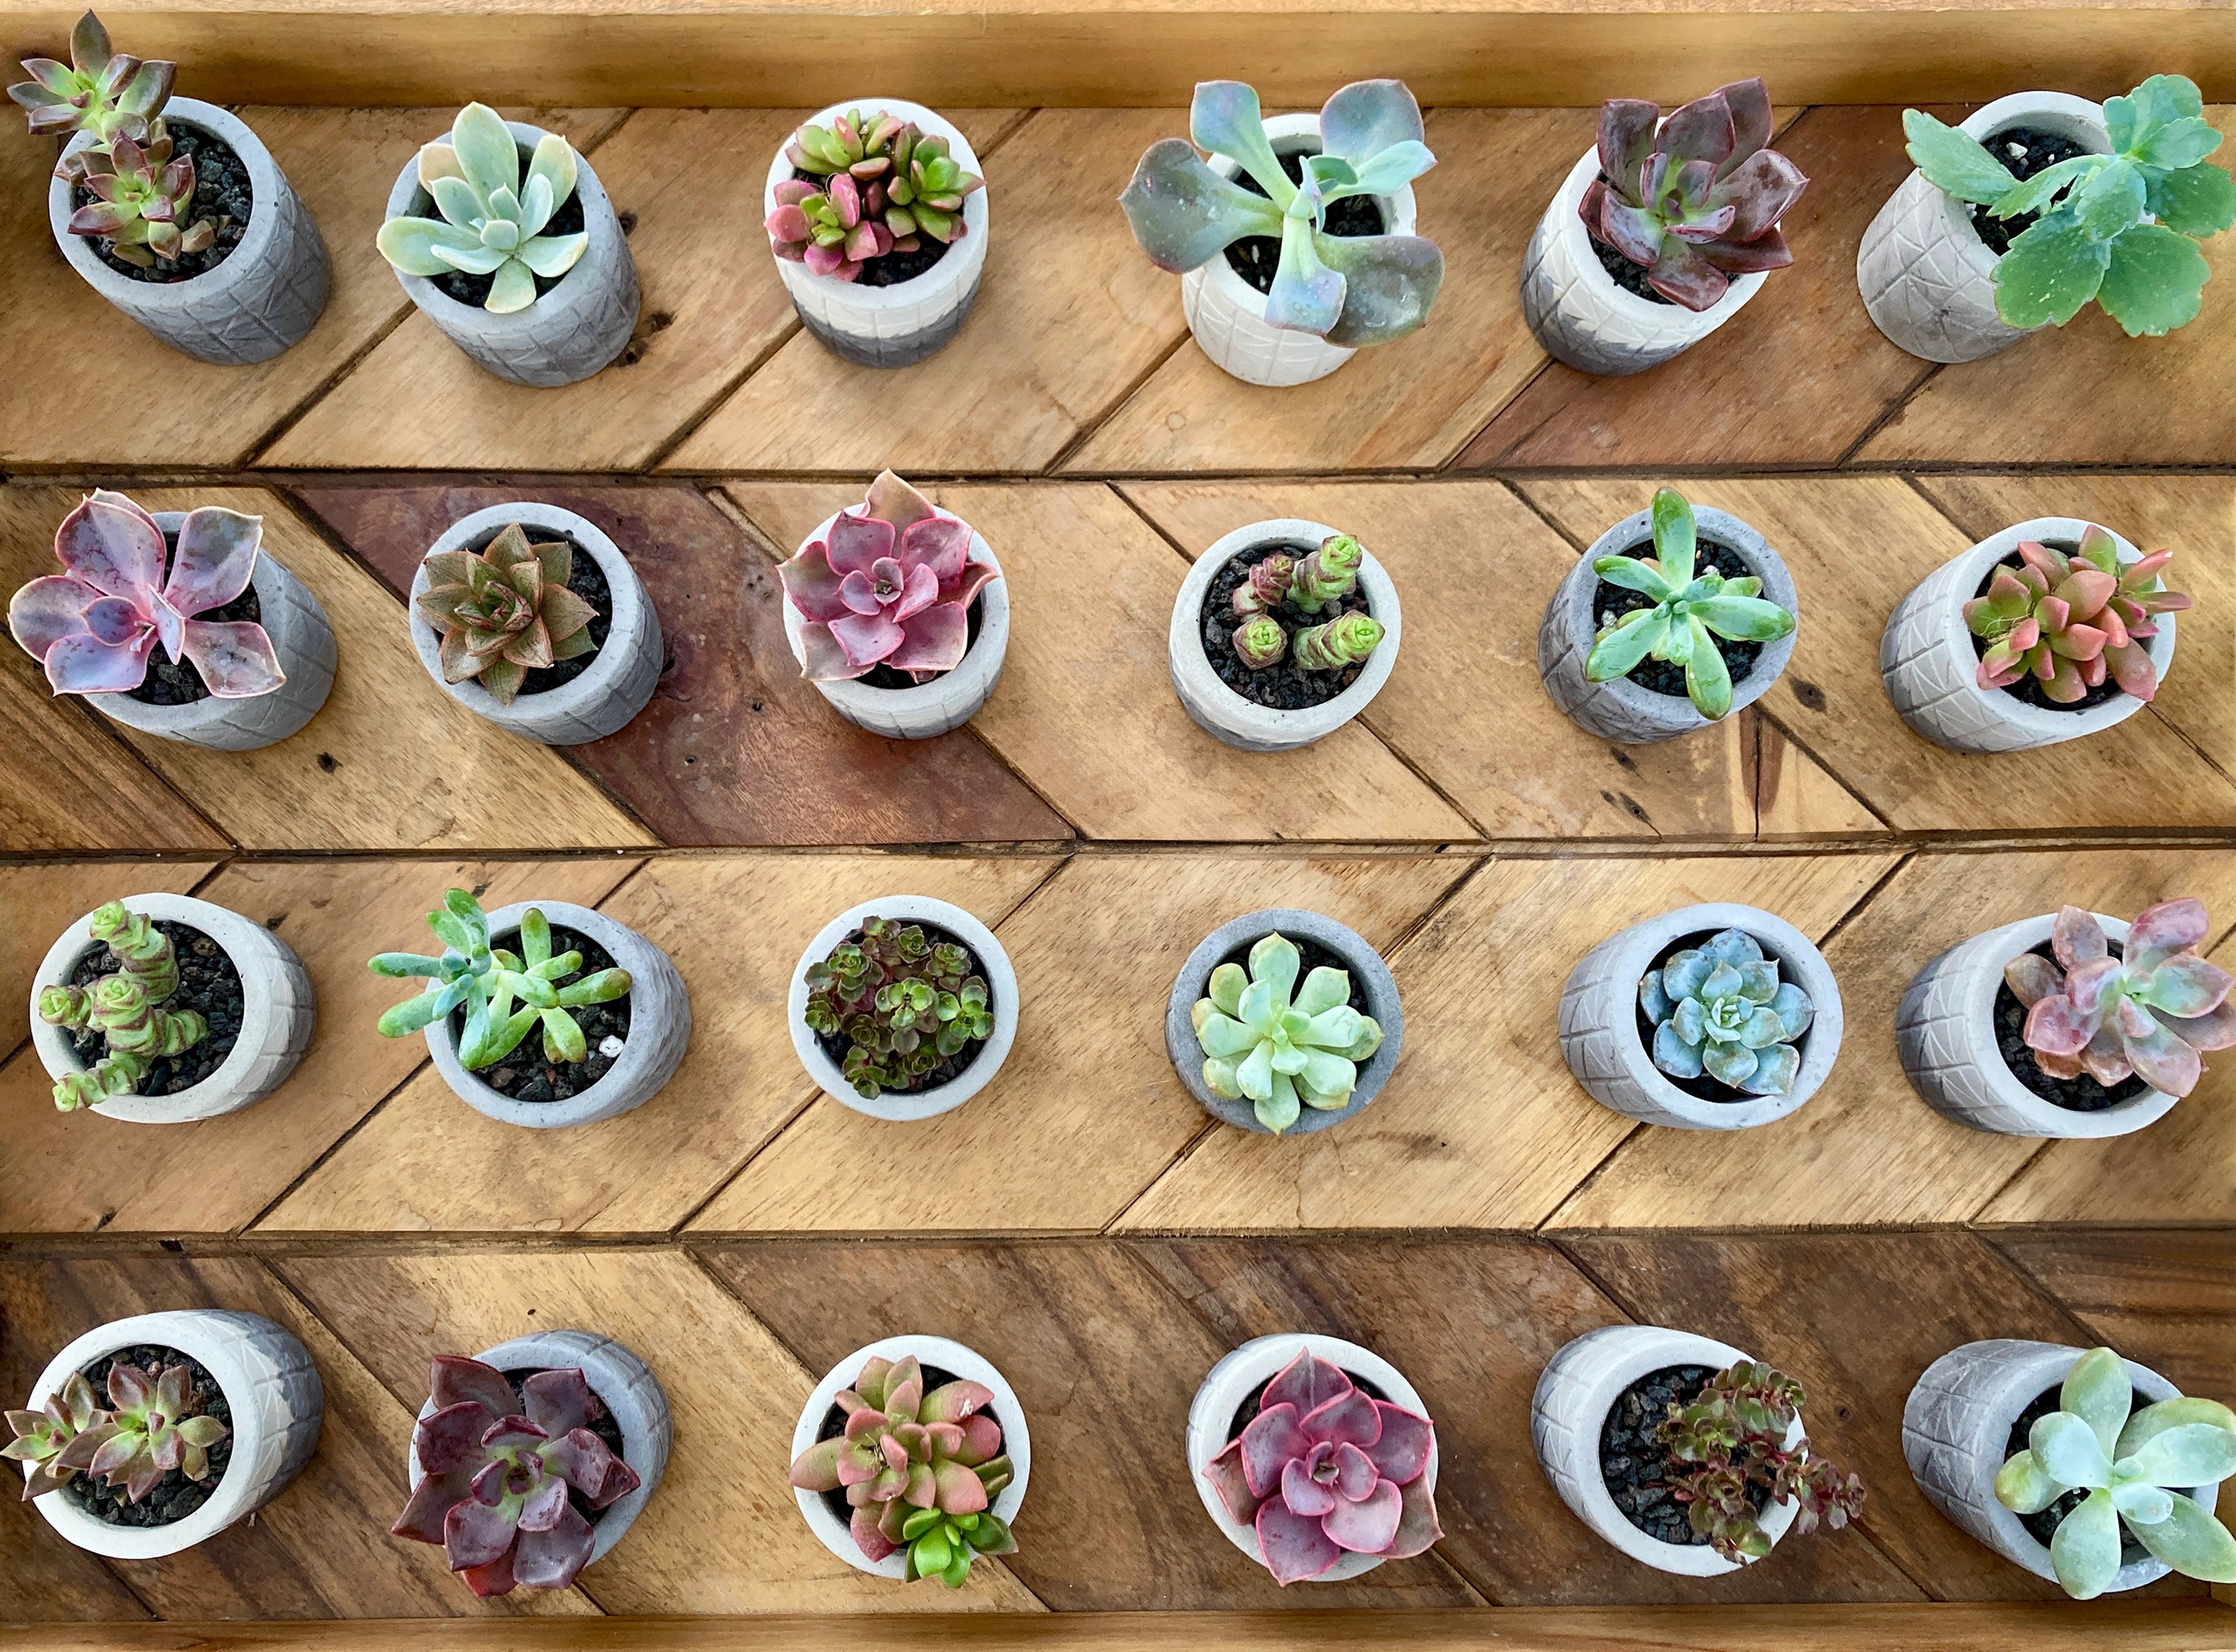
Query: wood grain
[2164, 1298]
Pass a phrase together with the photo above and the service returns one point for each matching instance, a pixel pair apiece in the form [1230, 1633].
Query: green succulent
[1282, 1053]
[1721, 1008]
[491, 223]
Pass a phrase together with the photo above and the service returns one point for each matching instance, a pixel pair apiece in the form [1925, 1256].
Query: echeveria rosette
[94, 626]
[2147, 1012]
[1694, 199]
[491, 222]
[890, 585]
[99, 91]
[54, 1440]
[1323, 1470]
[150, 1430]
[504, 611]
[1350, 290]
[1281, 1053]
[1721, 1008]
[2070, 621]
[1689, 612]
[143, 201]
[2137, 1470]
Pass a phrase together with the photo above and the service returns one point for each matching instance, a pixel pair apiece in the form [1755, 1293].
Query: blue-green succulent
[1720, 1009]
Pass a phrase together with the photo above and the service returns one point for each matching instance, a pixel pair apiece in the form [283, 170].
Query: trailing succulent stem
[125, 1008]
[150, 1428]
[2068, 621]
[1730, 1439]
[2149, 1011]
[903, 1003]
[1720, 1009]
[505, 611]
[1281, 1053]
[491, 221]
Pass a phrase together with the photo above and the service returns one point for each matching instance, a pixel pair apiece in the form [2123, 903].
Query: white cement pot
[1928, 279]
[1946, 1032]
[1002, 991]
[1220, 712]
[572, 331]
[897, 326]
[938, 1353]
[271, 1387]
[1227, 315]
[278, 1017]
[1622, 710]
[947, 701]
[1931, 671]
[1368, 973]
[266, 295]
[623, 1384]
[1579, 314]
[1229, 1384]
[1599, 1020]
[660, 1027]
[1956, 1435]
[622, 677]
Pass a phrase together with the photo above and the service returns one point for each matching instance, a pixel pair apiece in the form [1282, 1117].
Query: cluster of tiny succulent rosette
[1282, 1053]
[1312, 582]
[148, 1428]
[125, 1006]
[886, 187]
[2071, 620]
[903, 1003]
[1720, 1009]
[505, 611]
[1730, 1442]
[2148, 1012]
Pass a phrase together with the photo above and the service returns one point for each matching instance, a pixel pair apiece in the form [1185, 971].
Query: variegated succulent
[505, 611]
[125, 1008]
[108, 93]
[1721, 1008]
[1282, 1053]
[886, 184]
[2148, 1012]
[491, 222]
[2068, 620]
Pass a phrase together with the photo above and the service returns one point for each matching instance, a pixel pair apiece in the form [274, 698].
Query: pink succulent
[2148, 1011]
[1323, 1470]
[94, 626]
[890, 584]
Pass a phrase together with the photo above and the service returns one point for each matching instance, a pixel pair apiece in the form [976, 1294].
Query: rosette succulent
[2113, 1470]
[1347, 641]
[125, 1008]
[505, 611]
[1350, 290]
[2148, 1012]
[1323, 1470]
[151, 1427]
[903, 1003]
[885, 185]
[1729, 1444]
[110, 94]
[143, 201]
[491, 222]
[1721, 1008]
[1283, 1054]
[2070, 619]
[57, 1441]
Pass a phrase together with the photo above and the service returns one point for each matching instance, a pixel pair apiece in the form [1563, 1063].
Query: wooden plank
[1482, 1125]
[804, 774]
[40, 900]
[2167, 1299]
[1795, 796]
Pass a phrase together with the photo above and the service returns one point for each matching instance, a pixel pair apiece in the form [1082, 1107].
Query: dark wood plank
[2166, 1297]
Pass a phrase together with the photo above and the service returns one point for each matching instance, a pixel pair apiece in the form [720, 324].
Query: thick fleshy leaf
[2189, 1454]
[1232, 1482]
[236, 657]
[2023, 1487]
[933, 640]
[2187, 985]
[1673, 1055]
[1707, 679]
[2085, 1550]
[1306, 296]
[85, 665]
[1762, 189]
[1401, 1451]
[2215, 1030]
[2069, 1450]
[453, 1379]
[2197, 201]
[512, 291]
[1625, 138]
[1224, 118]
[1294, 1547]
[2050, 271]
[1775, 1070]
[551, 1559]
[2163, 1061]
[551, 174]
[1367, 117]
[2076, 938]
[431, 1500]
[1389, 284]
[1730, 1063]
[1954, 162]
[816, 1469]
[2192, 1541]
[811, 584]
[1700, 130]
[558, 1401]
[1274, 1436]
[215, 557]
[1347, 1420]
[1305, 1495]
[1418, 1529]
[486, 152]
[855, 544]
[1368, 1525]
[2161, 930]
[552, 256]
[540, 1509]
[44, 611]
[1684, 275]
[869, 1536]
[953, 1401]
[474, 1533]
[1387, 173]
[1306, 1383]
[450, 1438]
[1183, 214]
[1745, 619]
[112, 544]
[1794, 1009]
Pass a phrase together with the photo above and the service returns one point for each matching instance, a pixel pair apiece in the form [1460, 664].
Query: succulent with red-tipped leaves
[143, 201]
[2148, 1011]
[151, 1428]
[104, 92]
[883, 185]
[505, 611]
[2070, 619]
[58, 1439]
[1728, 1445]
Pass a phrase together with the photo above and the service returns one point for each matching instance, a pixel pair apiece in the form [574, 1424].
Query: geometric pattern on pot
[1931, 671]
[1601, 1041]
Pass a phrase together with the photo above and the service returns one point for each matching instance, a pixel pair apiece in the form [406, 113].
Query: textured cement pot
[620, 679]
[1220, 712]
[623, 1384]
[1955, 1434]
[1622, 710]
[1946, 1032]
[1575, 1393]
[1245, 1372]
[941, 1354]
[1931, 671]
[1928, 279]
[278, 1014]
[947, 701]
[1002, 988]
[660, 1027]
[1368, 973]
[1227, 315]
[264, 297]
[1599, 1020]
[897, 326]
[271, 1387]
[572, 331]
[1582, 316]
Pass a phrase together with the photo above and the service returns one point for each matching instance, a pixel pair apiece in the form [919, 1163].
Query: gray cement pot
[1368, 973]
[264, 297]
[574, 330]
[1621, 710]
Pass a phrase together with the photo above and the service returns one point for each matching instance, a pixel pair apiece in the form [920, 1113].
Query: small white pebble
[610, 1046]
[2016, 151]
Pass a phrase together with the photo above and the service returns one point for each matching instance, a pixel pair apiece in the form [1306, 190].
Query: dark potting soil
[176, 682]
[1256, 258]
[2029, 686]
[834, 1425]
[223, 193]
[885, 676]
[174, 1497]
[524, 1075]
[2041, 1525]
[892, 268]
[1706, 1088]
[474, 289]
[1281, 686]
[1636, 1467]
[1253, 1402]
[2025, 151]
[2082, 1094]
[1611, 602]
[1313, 956]
[601, 1423]
[835, 1046]
[208, 983]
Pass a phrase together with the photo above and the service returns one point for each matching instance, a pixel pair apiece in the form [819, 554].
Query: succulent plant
[1283, 1054]
[2148, 1011]
[2069, 619]
[54, 1439]
[1351, 290]
[904, 1005]
[1732, 1438]
[505, 611]
[1261, 642]
[1327, 575]
[2121, 229]
[885, 185]
[1689, 612]
[142, 197]
[1695, 200]
[500, 1475]
[149, 1429]
[1267, 586]
[1323, 1470]
[1344, 641]
[859, 144]
[491, 222]
[890, 585]
[94, 625]
[920, 1469]
[2136, 1472]
[1720, 1008]
[109, 94]
[125, 1007]
[487, 979]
